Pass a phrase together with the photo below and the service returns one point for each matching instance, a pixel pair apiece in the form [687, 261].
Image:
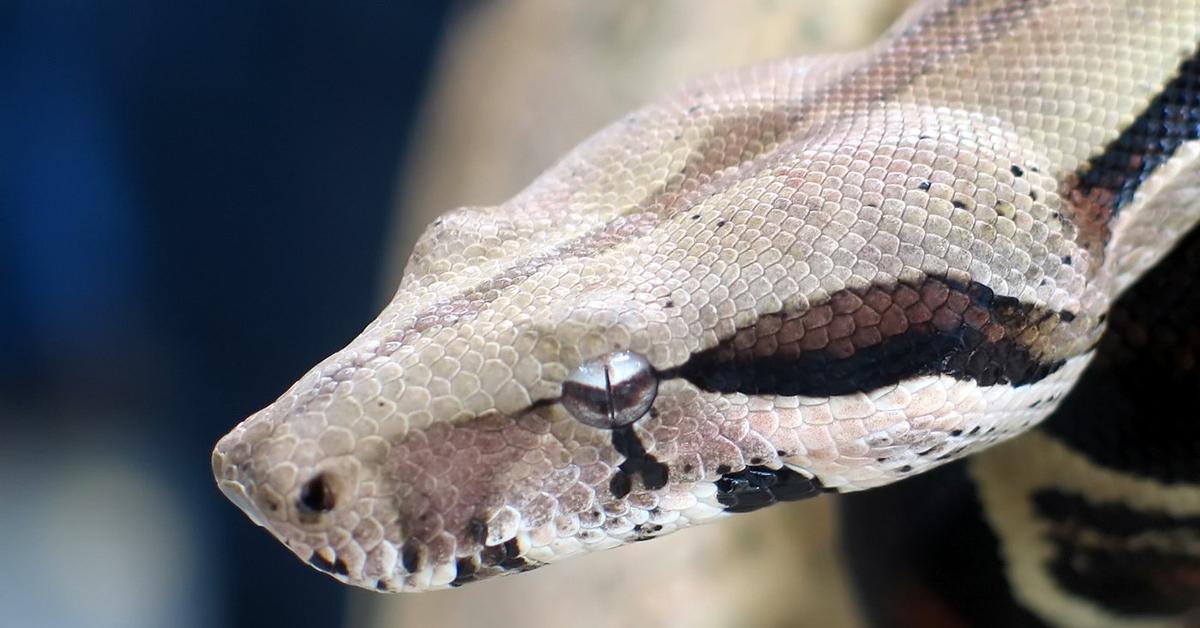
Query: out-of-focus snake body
[808, 276]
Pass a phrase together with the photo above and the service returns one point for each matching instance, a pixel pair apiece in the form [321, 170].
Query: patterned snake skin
[809, 276]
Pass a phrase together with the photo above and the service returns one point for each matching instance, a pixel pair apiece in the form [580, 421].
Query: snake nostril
[317, 495]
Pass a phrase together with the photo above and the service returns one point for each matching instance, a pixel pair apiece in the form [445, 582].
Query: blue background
[194, 198]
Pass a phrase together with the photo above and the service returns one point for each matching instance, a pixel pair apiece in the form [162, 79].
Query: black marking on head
[512, 548]
[620, 484]
[477, 530]
[513, 561]
[963, 352]
[1016, 170]
[646, 531]
[492, 555]
[410, 556]
[321, 563]
[637, 462]
[925, 185]
[1110, 179]
[466, 571]
[340, 567]
[758, 487]
[383, 584]
[505, 557]
[1099, 555]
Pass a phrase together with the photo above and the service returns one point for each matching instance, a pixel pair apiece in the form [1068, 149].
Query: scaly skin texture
[843, 271]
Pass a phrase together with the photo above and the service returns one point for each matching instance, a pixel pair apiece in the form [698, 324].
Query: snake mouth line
[491, 561]
[237, 494]
[335, 566]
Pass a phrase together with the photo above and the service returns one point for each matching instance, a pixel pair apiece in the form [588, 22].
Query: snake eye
[316, 496]
[610, 391]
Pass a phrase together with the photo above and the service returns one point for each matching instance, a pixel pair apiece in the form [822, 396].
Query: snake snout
[229, 469]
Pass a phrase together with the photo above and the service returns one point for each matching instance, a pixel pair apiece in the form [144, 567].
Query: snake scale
[810, 276]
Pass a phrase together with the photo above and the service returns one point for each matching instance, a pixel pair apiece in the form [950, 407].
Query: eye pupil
[316, 495]
[610, 391]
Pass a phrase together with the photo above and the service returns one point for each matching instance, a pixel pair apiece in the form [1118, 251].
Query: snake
[961, 257]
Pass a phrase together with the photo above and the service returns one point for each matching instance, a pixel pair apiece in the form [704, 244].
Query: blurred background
[200, 200]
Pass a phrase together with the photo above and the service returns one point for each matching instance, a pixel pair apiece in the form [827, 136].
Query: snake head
[585, 401]
[727, 299]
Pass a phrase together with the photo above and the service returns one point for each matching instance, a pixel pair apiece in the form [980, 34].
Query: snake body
[809, 276]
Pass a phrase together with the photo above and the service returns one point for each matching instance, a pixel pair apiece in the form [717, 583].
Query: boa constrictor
[809, 276]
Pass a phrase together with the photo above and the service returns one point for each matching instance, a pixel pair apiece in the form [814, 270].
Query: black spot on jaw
[758, 487]
[337, 567]
[507, 557]
[492, 555]
[493, 560]
[477, 530]
[513, 559]
[645, 531]
[620, 484]
[466, 571]
[319, 561]
[637, 463]
[410, 556]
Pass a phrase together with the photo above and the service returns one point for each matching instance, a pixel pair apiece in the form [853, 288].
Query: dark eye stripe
[861, 341]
